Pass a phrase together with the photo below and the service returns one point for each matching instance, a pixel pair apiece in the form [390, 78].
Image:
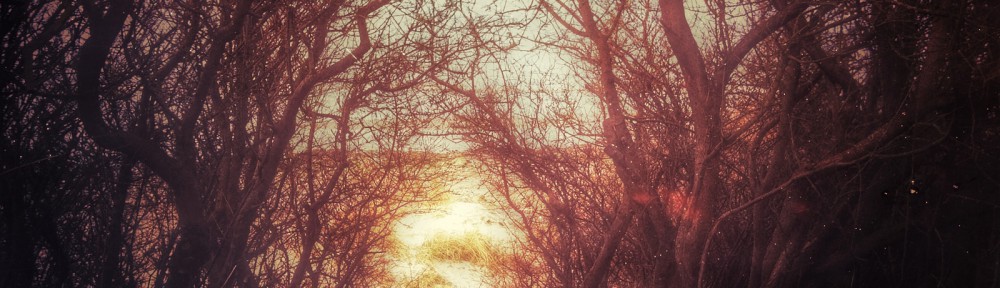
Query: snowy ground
[464, 213]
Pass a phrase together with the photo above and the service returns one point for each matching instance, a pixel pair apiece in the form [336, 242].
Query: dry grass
[470, 247]
[428, 278]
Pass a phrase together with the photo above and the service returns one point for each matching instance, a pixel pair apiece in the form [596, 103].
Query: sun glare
[450, 243]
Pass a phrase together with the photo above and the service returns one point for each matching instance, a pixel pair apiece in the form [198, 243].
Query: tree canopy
[630, 143]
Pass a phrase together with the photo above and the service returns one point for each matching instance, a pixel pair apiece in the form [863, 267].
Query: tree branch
[90, 63]
[759, 32]
[684, 47]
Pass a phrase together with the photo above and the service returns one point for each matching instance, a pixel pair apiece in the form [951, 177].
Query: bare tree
[684, 143]
[206, 96]
[733, 118]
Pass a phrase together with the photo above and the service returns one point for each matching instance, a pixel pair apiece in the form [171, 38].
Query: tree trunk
[110, 273]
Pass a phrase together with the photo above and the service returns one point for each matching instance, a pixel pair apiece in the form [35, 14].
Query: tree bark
[706, 91]
[620, 147]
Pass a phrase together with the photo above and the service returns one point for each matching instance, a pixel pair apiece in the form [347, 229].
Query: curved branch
[896, 126]
[285, 126]
[684, 47]
[89, 65]
[759, 32]
[548, 8]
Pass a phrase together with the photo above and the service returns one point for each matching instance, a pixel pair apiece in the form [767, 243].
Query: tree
[740, 127]
[781, 143]
[207, 97]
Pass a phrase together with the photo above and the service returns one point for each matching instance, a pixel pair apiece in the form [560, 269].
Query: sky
[465, 212]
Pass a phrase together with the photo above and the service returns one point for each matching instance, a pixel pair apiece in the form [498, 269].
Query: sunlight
[499, 143]
[447, 244]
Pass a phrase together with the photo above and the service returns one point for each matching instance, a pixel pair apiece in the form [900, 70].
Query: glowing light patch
[462, 215]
